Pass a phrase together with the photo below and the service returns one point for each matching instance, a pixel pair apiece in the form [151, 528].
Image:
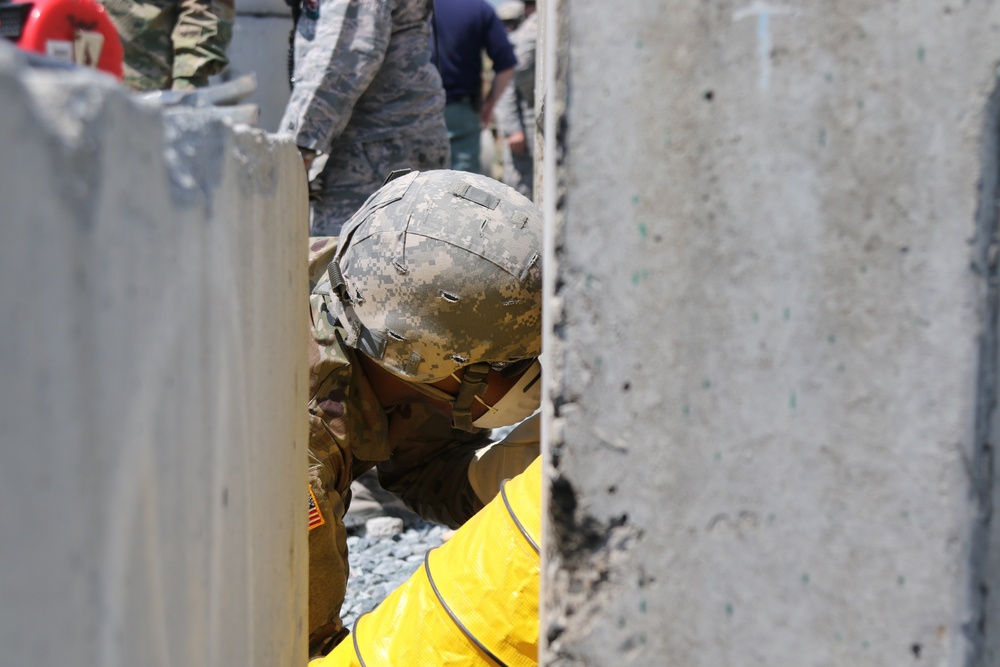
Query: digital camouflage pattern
[363, 71]
[442, 270]
[172, 43]
[354, 170]
[445, 257]
[336, 431]
[366, 94]
[420, 458]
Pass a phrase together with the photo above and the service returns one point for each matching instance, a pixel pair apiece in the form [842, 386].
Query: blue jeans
[463, 134]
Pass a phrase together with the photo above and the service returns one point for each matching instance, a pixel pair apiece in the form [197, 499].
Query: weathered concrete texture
[152, 356]
[772, 268]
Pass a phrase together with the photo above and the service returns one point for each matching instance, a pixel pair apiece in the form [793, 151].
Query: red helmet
[74, 31]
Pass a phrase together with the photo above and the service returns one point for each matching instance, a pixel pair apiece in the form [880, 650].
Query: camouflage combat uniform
[172, 43]
[515, 111]
[419, 456]
[366, 94]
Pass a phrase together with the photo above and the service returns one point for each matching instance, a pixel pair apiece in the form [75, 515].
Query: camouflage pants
[355, 170]
[172, 43]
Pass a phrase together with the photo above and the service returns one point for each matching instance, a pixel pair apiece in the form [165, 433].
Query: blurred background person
[515, 112]
[463, 30]
[366, 97]
[171, 44]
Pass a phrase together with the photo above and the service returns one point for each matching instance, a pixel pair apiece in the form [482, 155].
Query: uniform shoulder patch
[315, 516]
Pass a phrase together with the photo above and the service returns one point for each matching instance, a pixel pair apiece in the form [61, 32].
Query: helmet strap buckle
[474, 383]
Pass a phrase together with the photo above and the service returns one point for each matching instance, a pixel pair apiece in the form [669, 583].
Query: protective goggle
[518, 403]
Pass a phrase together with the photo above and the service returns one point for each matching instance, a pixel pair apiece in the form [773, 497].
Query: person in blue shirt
[463, 30]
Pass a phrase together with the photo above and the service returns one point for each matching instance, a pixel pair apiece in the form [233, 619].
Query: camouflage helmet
[440, 270]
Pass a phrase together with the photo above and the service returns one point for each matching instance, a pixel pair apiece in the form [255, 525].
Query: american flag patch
[315, 516]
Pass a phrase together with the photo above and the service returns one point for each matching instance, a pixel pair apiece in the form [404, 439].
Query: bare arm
[501, 80]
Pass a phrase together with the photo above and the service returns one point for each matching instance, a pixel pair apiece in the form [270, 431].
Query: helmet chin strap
[474, 383]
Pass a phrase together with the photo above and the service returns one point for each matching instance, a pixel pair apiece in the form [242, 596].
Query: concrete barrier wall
[773, 333]
[152, 378]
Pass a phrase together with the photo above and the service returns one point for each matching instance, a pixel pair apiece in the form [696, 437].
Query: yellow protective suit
[473, 603]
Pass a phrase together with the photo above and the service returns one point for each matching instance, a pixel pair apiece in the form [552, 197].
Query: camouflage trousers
[355, 170]
[172, 43]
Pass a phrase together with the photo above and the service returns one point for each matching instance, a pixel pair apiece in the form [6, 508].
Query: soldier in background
[170, 44]
[365, 96]
[515, 112]
[426, 332]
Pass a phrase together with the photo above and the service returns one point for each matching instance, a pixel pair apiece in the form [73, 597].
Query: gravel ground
[380, 564]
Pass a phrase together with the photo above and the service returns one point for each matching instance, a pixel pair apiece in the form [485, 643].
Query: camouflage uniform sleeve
[345, 420]
[430, 472]
[337, 55]
[201, 36]
[321, 252]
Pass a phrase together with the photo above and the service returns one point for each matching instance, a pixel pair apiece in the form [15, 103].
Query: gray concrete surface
[152, 356]
[772, 333]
